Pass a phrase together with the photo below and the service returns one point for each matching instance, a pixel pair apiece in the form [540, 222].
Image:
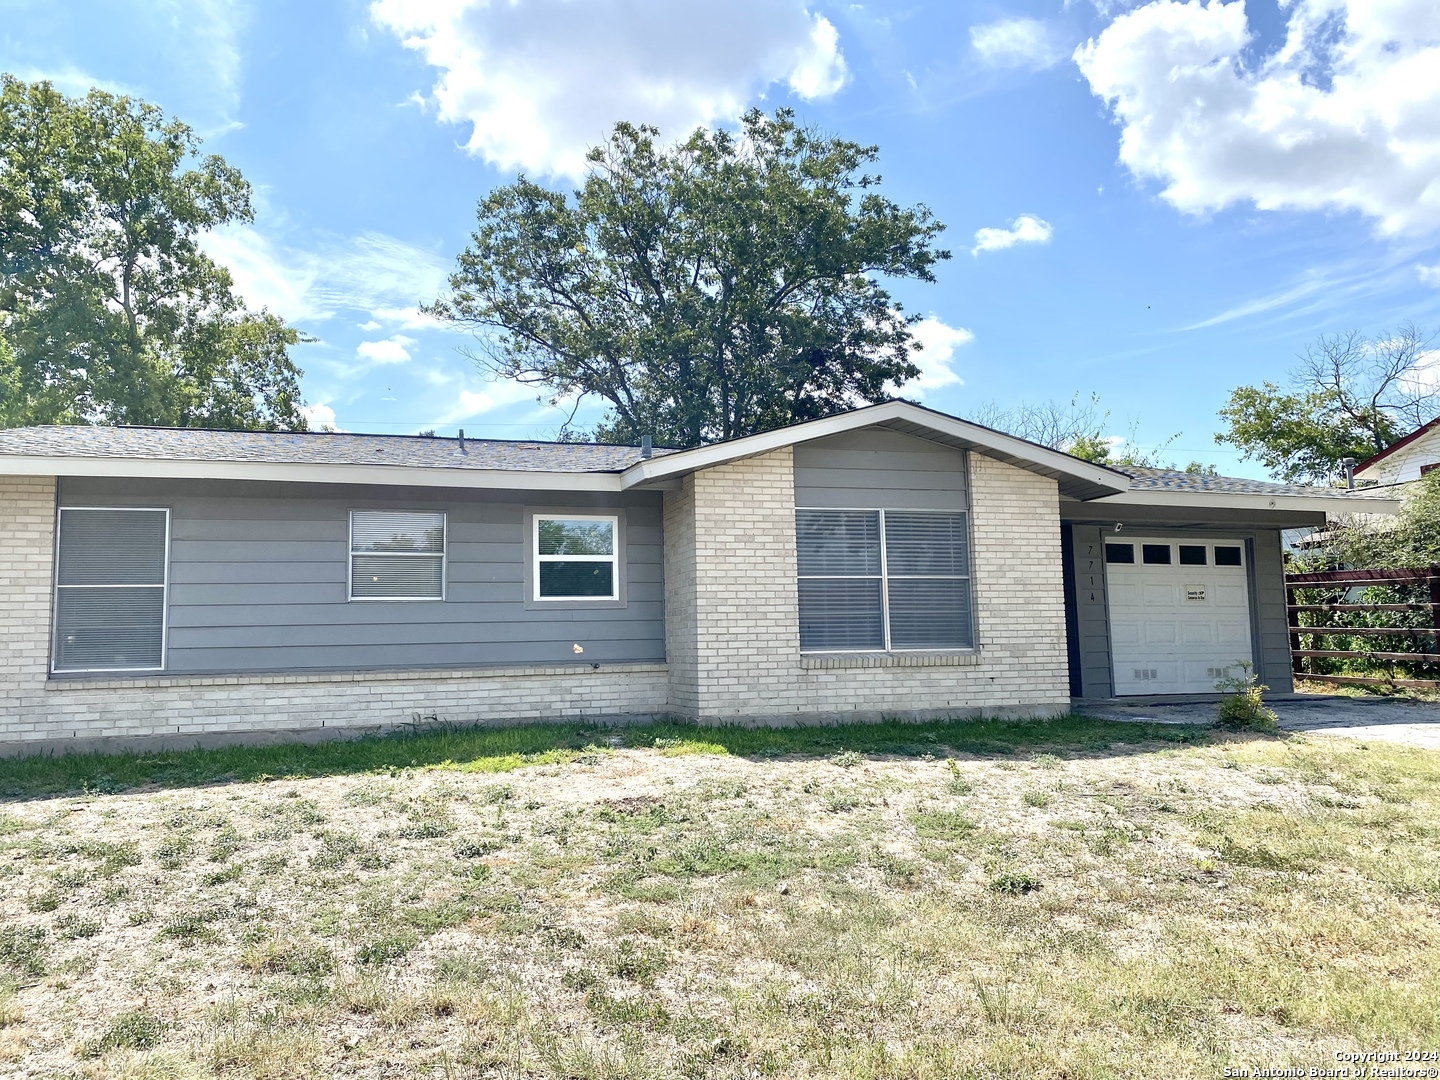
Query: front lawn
[1065, 899]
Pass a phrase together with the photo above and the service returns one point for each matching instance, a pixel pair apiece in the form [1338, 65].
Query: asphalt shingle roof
[339, 448]
[317, 448]
[1143, 479]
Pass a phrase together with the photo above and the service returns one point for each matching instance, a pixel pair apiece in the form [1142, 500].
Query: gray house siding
[1267, 569]
[877, 469]
[258, 580]
[1092, 615]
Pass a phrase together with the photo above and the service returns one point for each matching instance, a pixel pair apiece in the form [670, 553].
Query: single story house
[890, 561]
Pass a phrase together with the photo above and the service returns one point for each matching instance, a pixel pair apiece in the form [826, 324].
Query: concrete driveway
[1410, 722]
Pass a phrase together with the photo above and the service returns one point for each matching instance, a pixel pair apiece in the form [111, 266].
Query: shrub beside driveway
[1075, 899]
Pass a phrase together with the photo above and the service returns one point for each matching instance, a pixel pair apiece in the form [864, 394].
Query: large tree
[725, 286]
[111, 311]
[1351, 396]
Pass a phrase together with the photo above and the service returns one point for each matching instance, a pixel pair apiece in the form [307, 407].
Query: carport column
[27, 546]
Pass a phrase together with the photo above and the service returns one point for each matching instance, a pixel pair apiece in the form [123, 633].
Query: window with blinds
[575, 558]
[879, 580]
[397, 555]
[111, 575]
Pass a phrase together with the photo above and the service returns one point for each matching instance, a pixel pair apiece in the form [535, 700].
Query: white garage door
[1179, 613]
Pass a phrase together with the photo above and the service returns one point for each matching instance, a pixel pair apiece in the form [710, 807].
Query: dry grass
[1141, 909]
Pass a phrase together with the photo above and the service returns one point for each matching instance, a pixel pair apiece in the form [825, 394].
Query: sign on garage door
[1179, 613]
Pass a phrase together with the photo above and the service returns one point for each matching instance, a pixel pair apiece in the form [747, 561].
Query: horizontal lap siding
[258, 580]
[879, 469]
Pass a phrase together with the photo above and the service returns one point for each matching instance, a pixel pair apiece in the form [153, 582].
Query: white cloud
[373, 273]
[369, 326]
[1344, 115]
[940, 342]
[393, 350]
[1430, 275]
[540, 81]
[1020, 42]
[319, 417]
[1026, 229]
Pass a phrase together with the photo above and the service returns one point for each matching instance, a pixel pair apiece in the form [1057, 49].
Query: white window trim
[884, 577]
[164, 586]
[444, 559]
[536, 558]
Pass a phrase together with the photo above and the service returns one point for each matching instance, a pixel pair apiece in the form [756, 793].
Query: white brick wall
[737, 602]
[34, 710]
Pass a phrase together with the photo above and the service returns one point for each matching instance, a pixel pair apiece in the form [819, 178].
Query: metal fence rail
[1341, 582]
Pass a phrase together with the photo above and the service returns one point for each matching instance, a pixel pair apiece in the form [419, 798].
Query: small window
[1192, 554]
[110, 582]
[1120, 553]
[1156, 554]
[575, 558]
[1227, 556]
[397, 555]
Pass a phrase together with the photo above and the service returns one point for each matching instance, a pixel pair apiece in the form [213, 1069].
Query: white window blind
[875, 580]
[575, 558]
[110, 583]
[397, 555]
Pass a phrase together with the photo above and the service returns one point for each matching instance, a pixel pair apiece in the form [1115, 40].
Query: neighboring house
[1405, 460]
[890, 561]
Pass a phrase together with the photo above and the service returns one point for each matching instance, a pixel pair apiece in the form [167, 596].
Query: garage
[1179, 613]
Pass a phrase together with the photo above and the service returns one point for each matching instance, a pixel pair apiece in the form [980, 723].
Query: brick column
[27, 555]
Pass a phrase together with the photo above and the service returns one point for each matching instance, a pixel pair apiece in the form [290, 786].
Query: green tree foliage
[1350, 397]
[720, 288]
[112, 312]
[1411, 538]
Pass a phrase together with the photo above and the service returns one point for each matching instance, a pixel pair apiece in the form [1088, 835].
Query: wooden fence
[1341, 582]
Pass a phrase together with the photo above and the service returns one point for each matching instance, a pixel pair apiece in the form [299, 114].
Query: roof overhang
[295, 473]
[1077, 479]
[1334, 505]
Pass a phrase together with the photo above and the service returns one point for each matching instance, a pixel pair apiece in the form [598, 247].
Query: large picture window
[397, 555]
[881, 580]
[111, 574]
[575, 557]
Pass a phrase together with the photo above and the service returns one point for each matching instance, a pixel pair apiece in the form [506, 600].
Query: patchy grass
[1065, 899]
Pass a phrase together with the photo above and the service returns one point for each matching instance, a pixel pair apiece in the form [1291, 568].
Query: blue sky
[1151, 202]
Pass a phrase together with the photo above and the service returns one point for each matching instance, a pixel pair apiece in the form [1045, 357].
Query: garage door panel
[1160, 633]
[1176, 628]
[1159, 596]
[1124, 632]
[1124, 597]
[1234, 634]
[1231, 596]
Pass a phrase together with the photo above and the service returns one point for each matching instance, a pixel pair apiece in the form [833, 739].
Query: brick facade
[35, 710]
[731, 635]
[735, 608]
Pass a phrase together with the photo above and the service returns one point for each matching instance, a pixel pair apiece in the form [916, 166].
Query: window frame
[884, 576]
[533, 558]
[350, 553]
[164, 588]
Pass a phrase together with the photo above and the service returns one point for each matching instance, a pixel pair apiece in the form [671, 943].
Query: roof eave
[1077, 479]
[1329, 504]
[297, 473]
